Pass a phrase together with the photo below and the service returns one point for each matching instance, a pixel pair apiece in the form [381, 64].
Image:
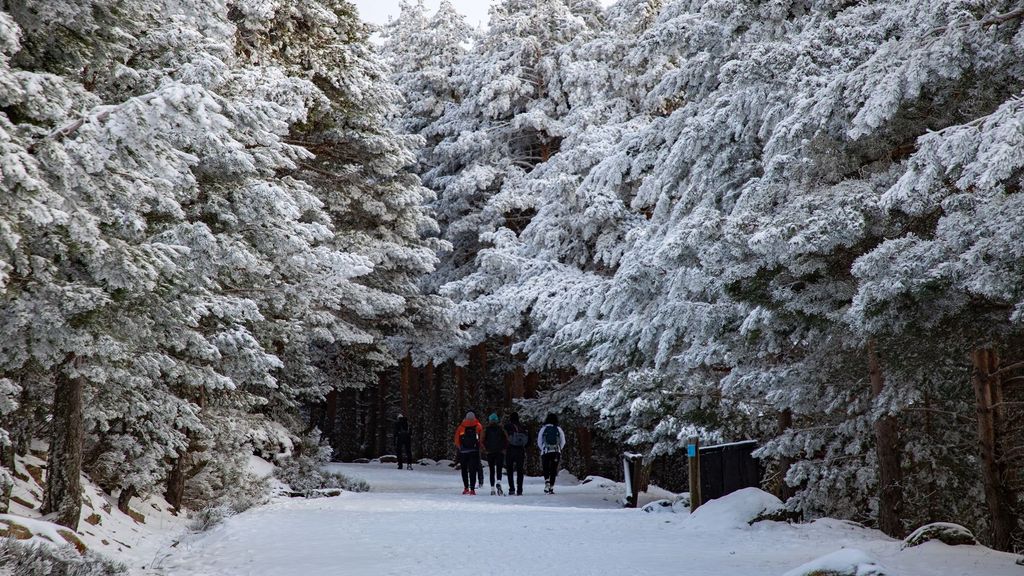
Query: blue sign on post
[691, 450]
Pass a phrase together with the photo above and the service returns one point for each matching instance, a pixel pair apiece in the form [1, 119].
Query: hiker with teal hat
[495, 443]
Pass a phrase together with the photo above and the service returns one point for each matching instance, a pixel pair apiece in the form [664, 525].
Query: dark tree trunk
[998, 497]
[531, 385]
[64, 468]
[404, 384]
[887, 449]
[175, 491]
[330, 414]
[460, 390]
[7, 455]
[382, 415]
[125, 498]
[785, 491]
[586, 449]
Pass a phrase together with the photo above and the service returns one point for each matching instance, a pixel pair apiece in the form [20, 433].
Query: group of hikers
[503, 447]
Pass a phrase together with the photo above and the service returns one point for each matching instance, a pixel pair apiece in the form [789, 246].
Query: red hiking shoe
[465, 491]
[472, 492]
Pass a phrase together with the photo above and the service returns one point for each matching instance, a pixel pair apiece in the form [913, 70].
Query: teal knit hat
[493, 417]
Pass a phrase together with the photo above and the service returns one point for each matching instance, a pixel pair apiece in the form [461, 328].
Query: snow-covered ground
[417, 522]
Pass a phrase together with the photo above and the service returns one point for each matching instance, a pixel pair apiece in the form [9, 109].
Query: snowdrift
[737, 510]
[846, 562]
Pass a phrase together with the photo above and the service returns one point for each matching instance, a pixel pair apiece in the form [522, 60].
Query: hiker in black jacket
[515, 455]
[495, 443]
[403, 441]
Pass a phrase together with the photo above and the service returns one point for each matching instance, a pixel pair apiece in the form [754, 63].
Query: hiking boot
[409, 467]
[465, 491]
[519, 492]
[547, 487]
[500, 491]
[399, 466]
[493, 492]
[472, 492]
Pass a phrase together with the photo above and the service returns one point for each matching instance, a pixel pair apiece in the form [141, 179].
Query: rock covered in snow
[845, 562]
[945, 532]
[39, 531]
[388, 459]
[426, 462]
[679, 505]
[658, 506]
[737, 510]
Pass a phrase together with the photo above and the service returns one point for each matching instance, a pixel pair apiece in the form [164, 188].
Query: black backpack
[518, 437]
[494, 438]
[551, 438]
[469, 439]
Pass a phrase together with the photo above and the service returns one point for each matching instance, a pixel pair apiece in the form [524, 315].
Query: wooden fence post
[693, 452]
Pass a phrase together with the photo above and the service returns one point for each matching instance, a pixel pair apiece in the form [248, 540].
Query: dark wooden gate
[727, 468]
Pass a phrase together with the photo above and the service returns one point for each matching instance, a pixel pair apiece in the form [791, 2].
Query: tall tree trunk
[460, 390]
[381, 434]
[330, 414]
[531, 384]
[125, 498]
[987, 392]
[887, 450]
[478, 383]
[586, 449]
[437, 443]
[174, 492]
[64, 468]
[785, 491]
[404, 378]
[7, 456]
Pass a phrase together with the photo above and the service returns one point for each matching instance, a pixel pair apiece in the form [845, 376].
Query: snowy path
[415, 523]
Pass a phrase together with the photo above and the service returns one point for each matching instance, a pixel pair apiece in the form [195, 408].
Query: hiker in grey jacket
[551, 441]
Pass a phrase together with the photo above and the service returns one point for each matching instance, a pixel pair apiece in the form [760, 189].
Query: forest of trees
[207, 224]
[228, 223]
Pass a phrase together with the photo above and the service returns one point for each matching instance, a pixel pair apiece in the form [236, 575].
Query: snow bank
[945, 532]
[845, 562]
[736, 510]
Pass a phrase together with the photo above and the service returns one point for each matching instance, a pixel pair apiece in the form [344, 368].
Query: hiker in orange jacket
[468, 436]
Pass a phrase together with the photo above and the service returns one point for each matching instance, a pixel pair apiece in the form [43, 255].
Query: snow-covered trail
[418, 523]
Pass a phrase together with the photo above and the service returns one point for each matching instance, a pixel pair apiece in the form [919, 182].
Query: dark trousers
[495, 462]
[515, 461]
[470, 464]
[403, 448]
[549, 462]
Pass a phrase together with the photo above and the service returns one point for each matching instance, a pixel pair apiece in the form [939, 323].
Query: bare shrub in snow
[306, 472]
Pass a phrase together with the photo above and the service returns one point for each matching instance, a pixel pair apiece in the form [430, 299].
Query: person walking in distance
[551, 441]
[495, 443]
[467, 442]
[403, 441]
[515, 455]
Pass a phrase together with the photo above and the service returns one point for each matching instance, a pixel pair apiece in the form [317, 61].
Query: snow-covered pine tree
[361, 173]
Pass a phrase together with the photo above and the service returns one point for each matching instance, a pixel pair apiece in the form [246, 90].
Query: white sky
[377, 11]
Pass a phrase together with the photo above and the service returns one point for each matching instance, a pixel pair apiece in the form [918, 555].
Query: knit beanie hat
[470, 416]
[493, 417]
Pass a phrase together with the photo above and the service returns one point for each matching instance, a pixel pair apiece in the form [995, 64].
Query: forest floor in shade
[418, 522]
